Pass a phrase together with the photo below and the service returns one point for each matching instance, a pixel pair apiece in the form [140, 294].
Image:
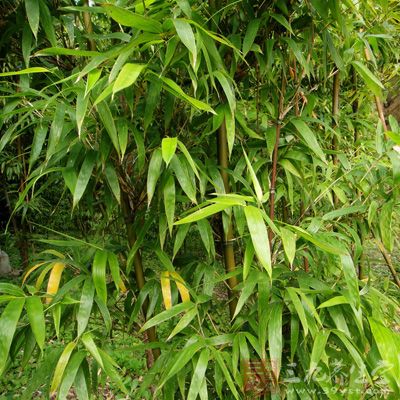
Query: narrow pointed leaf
[34, 309]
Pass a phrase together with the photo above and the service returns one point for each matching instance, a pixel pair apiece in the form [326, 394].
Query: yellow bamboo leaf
[180, 283]
[30, 270]
[166, 289]
[54, 280]
[122, 286]
[42, 275]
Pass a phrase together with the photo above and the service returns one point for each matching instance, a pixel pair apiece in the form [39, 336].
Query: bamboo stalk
[228, 239]
[88, 26]
[139, 274]
[388, 260]
[275, 158]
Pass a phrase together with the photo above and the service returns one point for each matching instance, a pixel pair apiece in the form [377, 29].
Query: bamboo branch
[388, 260]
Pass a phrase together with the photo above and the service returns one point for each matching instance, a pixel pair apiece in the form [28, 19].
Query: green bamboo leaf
[259, 236]
[308, 136]
[206, 235]
[33, 70]
[112, 180]
[169, 201]
[256, 183]
[92, 79]
[87, 340]
[61, 365]
[334, 301]
[127, 18]
[33, 14]
[176, 90]
[373, 83]
[349, 271]
[111, 371]
[82, 102]
[289, 244]
[228, 90]
[226, 373]
[168, 148]
[108, 122]
[167, 314]
[313, 238]
[37, 144]
[198, 374]
[275, 339]
[70, 374]
[46, 20]
[34, 309]
[84, 176]
[99, 274]
[56, 130]
[183, 178]
[180, 238]
[115, 271]
[153, 174]
[344, 211]
[85, 306]
[202, 213]
[8, 323]
[248, 290]
[387, 342]
[299, 308]
[128, 76]
[318, 349]
[185, 33]
[60, 51]
[81, 385]
[182, 358]
[230, 129]
[283, 21]
[183, 322]
[250, 35]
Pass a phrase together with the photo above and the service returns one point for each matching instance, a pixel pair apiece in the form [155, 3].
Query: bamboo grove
[233, 166]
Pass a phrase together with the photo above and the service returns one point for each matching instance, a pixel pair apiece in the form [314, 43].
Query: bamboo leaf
[61, 365]
[128, 76]
[259, 236]
[8, 324]
[250, 35]
[87, 340]
[183, 178]
[275, 339]
[112, 180]
[128, 18]
[54, 280]
[99, 274]
[168, 148]
[166, 289]
[34, 309]
[256, 183]
[33, 70]
[299, 308]
[185, 33]
[308, 136]
[85, 306]
[108, 122]
[198, 374]
[373, 83]
[70, 373]
[181, 285]
[153, 174]
[202, 213]
[33, 14]
[84, 176]
[289, 244]
[183, 322]
[115, 272]
[166, 315]
[318, 349]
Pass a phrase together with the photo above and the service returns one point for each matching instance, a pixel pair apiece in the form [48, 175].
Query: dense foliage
[192, 149]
